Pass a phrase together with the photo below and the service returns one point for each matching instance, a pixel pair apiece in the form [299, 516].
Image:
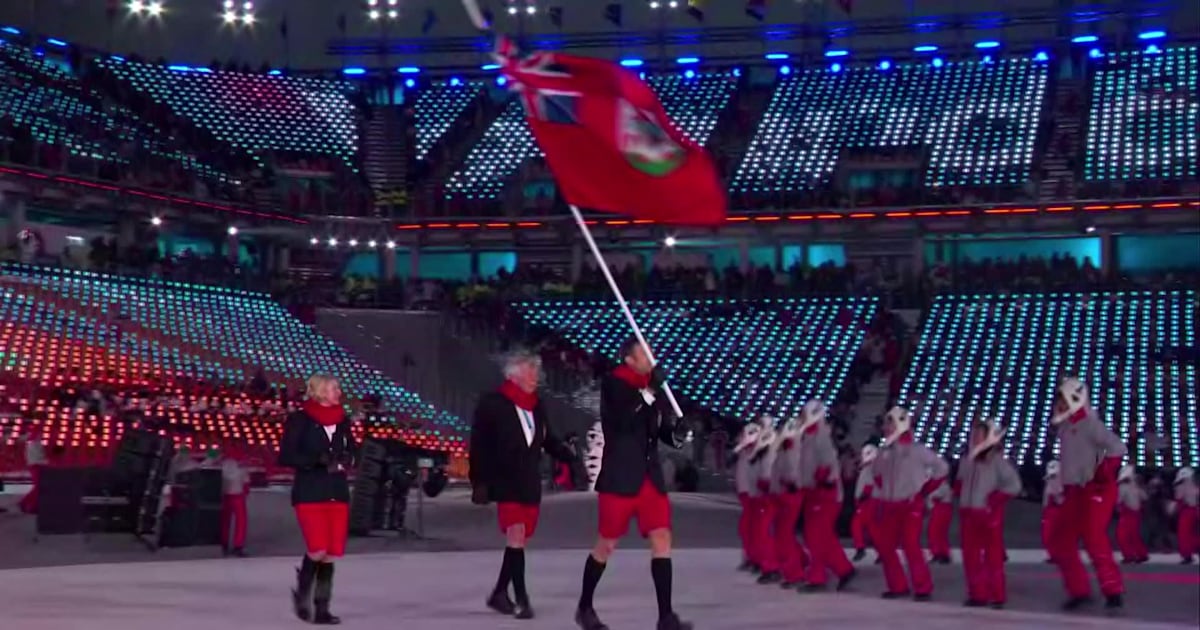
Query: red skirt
[324, 526]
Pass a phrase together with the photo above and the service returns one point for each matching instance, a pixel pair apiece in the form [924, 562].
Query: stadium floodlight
[987, 44]
[408, 70]
[633, 63]
[233, 231]
[1041, 56]
[925, 48]
[684, 61]
[1095, 53]
[885, 64]
[410, 84]
[391, 244]
[332, 242]
[154, 9]
[313, 241]
[670, 241]
[1152, 35]
[837, 52]
[372, 243]
[1084, 39]
[353, 242]
[776, 56]
[156, 221]
[354, 71]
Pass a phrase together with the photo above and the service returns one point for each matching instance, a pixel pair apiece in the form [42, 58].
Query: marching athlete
[510, 432]
[1089, 454]
[941, 513]
[986, 483]
[1130, 498]
[1187, 505]
[906, 473]
[317, 444]
[789, 498]
[762, 533]
[746, 486]
[1052, 500]
[631, 480]
[860, 526]
[822, 488]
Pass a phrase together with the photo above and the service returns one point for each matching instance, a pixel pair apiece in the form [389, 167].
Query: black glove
[679, 432]
[323, 460]
[657, 377]
[479, 495]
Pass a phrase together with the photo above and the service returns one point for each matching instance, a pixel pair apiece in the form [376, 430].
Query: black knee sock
[505, 572]
[517, 573]
[306, 576]
[660, 570]
[592, 570]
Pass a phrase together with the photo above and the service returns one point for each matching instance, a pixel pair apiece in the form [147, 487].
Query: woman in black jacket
[317, 443]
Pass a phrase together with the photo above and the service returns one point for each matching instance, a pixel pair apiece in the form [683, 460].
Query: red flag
[609, 142]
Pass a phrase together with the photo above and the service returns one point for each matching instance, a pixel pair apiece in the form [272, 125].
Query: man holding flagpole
[631, 483]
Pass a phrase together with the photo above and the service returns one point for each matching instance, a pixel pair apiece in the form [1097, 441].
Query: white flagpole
[612, 284]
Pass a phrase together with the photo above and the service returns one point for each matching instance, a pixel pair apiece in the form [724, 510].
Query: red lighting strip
[736, 219]
[957, 213]
[497, 225]
[1024, 210]
[622, 222]
[897, 215]
[929, 213]
[863, 215]
[801, 217]
[642, 221]
[408, 226]
[1170, 205]
[1060, 208]
[1096, 207]
[995, 211]
[437, 226]
[829, 216]
[766, 219]
[467, 225]
[528, 224]
[1127, 206]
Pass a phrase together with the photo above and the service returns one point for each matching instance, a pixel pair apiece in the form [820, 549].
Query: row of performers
[787, 472]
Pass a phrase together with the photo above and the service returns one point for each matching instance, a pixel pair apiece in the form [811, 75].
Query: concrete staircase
[386, 159]
[1069, 125]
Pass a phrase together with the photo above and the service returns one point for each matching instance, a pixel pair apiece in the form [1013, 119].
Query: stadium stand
[737, 358]
[978, 120]
[1144, 116]
[1000, 355]
[252, 112]
[437, 106]
[694, 103]
[73, 329]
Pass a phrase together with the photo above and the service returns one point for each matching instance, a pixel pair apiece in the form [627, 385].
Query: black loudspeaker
[60, 500]
[200, 489]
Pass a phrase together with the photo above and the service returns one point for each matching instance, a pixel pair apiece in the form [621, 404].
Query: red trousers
[983, 554]
[233, 508]
[789, 553]
[1084, 516]
[898, 529]
[1189, 542]
[324, 526]
[762, 543]
[821, 509]
[744, 524]
[1129, 535]
[860, 525]
[939, 528]
[1050, 514]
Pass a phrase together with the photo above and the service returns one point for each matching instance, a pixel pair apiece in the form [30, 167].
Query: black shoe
[322, 594]
[1187, 560]
[787, 585]
[238, 552]
[1048, 561]
[746, 565]
[672, 622]
[891, 595]
[878, 559]
[523, 611]
[974, 603]
[769, 577]
[845, 580]
[859, 554]
[1114, 602]
[1075, 603]
[813, 588]
[302, 595]
[996, 605]
[1126, 561]
[588, 620]
[500, 603]
[923, 597]
[942, 559]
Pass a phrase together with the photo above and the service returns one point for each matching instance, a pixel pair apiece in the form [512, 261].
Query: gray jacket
[1082, 446]
[979, 478]
[1187, 493]
[817, 452]
[787, 468]
[866, 480]
[1130, 496]
[743, 473]
[902, 469]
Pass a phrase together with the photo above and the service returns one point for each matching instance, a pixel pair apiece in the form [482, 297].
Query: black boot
[303, 593]
[673, 622]
[1075, 603]
[1114, 602]
[845, 580]
[859, 554]
[322, 593]
[587, 619]
[501, 603]
[770, 577]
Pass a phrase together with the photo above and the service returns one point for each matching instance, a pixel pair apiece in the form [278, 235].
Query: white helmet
[766, 434]
[748, 437]
[1052, 468]
[901, 421]
[1126, 473]
[1074, 393]
[814, 411]
[995, 435]
[869, 453]
[790, 429]
[1184, 474]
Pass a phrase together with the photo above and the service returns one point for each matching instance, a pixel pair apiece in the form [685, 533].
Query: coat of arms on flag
[644, 141]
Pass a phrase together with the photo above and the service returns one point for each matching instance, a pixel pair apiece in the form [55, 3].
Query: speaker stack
[140, 471]
[194, 517]
[387, 470]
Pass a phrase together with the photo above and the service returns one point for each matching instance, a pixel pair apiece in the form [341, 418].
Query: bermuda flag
[609, 142]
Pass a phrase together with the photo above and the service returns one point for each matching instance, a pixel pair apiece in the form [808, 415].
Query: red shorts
[509, 514]
[652, 508]
[324, 526]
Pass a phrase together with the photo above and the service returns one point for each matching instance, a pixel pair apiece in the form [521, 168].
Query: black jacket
[306, 448]
[501, 461]
[632, 430]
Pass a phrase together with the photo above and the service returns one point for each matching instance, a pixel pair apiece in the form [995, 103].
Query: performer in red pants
[822, 499]
[860, 526]
[1130, 498]
[986, 482]
[763, 533]
[1187, 504]
[941, 512]
[746, 485]
[906, 473]
[1089, 454]
[1052, 500]
[318, 445]
[792, 558]
[235, 485]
